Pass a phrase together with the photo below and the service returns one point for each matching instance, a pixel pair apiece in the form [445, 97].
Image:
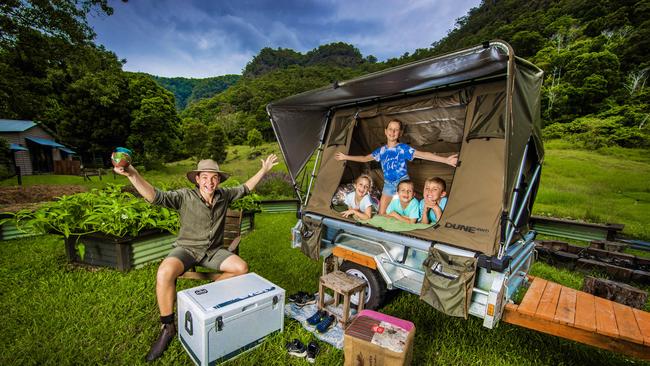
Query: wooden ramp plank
[643, 321]
[585, 311]
[529, 304]
[605, 318]
[626, 322]
[512, 316]
[566, 306]
[548, 302]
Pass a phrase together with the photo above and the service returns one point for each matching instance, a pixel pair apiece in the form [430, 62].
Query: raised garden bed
[120, 253]
[8, 230]
[97, 249]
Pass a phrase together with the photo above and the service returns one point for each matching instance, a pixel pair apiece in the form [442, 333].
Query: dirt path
[16, 198]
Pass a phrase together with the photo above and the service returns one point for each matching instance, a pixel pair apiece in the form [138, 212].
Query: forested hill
[187, 91]
[595, 55]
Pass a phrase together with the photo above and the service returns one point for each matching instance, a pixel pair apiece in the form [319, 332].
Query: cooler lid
[233, 292]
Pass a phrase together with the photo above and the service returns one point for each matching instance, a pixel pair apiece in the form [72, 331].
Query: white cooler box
[220, 320]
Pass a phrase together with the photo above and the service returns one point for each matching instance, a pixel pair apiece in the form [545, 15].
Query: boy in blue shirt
[433, 201]
[405, 208]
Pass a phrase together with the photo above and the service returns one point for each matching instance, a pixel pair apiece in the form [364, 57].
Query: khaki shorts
[212, 259]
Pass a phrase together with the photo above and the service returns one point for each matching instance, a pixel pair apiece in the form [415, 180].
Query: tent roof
[299, 121]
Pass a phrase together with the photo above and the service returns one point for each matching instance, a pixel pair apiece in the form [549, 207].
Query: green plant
[109, 210]
[249, 203]
[276, 184]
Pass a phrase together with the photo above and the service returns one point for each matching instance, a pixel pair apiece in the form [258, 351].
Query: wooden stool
[342, 284]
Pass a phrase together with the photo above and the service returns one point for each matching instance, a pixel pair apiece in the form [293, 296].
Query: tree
[217, 143]
[154, 131]
[62, 19]
[195, 137]
[254, 138]
[6, 161]
[527, 43]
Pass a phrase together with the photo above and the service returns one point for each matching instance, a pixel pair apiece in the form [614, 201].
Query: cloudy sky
[202, 38]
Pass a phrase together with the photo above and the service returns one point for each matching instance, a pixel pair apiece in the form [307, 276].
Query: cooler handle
[189, 327]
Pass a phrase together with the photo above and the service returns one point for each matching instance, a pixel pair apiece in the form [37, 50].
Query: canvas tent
[482, 103]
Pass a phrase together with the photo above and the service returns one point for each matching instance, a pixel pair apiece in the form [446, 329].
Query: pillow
[338, 200]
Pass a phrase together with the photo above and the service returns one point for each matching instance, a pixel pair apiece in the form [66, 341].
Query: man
[202, 212]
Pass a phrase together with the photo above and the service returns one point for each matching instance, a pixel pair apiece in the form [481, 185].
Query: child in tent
[404, 208]
[393, 157]
[359, 202]
[433, 201]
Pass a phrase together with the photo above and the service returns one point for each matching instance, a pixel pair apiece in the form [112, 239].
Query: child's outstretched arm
[399, 217]
[425, 155]
[359, 158]
[361, 215]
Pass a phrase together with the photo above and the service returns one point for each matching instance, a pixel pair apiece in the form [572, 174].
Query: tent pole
[511, 213]
[533, 180]
[510, 78]
[318, 155]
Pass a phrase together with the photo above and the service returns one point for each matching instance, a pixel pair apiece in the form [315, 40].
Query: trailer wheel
[376, 291]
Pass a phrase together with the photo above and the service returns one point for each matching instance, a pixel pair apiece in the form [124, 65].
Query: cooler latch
[218, 323]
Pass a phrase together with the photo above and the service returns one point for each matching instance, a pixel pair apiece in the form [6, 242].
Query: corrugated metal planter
[9, 231]
[279, 206]
[120, 253]
[125, 253]
[247, 222]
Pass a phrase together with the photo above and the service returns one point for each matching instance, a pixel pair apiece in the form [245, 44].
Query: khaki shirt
[202, 226]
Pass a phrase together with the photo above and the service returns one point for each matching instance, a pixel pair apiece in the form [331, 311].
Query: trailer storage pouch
[448, 282]
[310, 233]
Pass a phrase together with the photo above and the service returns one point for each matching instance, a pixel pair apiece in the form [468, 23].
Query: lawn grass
[55, 313]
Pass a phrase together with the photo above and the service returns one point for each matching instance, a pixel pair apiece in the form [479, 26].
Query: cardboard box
[221, 320]
[370, 336]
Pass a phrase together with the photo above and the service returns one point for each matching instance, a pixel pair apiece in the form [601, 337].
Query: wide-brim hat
[207, 165]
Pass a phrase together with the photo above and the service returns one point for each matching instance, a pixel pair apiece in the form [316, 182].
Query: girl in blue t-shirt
[393, 157]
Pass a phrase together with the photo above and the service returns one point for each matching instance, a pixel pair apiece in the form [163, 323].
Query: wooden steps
[564, 312]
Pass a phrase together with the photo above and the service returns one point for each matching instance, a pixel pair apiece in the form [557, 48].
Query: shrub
[6, 166]
[597, 132]
[109, 210]
[276, 185]
[254, 138]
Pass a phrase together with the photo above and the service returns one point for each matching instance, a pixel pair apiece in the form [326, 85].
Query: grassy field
[612, 185]
[54, 313]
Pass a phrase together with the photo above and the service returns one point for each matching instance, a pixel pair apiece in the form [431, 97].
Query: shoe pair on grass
[298, 349]
[302, 298]
[322, 320]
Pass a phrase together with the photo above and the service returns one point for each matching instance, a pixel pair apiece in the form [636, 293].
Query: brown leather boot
[167, 333]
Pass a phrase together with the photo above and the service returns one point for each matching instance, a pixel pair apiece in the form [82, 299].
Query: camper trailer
[482, 103]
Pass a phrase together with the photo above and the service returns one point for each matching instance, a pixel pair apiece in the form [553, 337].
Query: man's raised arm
[267, 164]
[141, 185]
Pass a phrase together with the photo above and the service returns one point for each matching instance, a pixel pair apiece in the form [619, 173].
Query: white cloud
[201, 39]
